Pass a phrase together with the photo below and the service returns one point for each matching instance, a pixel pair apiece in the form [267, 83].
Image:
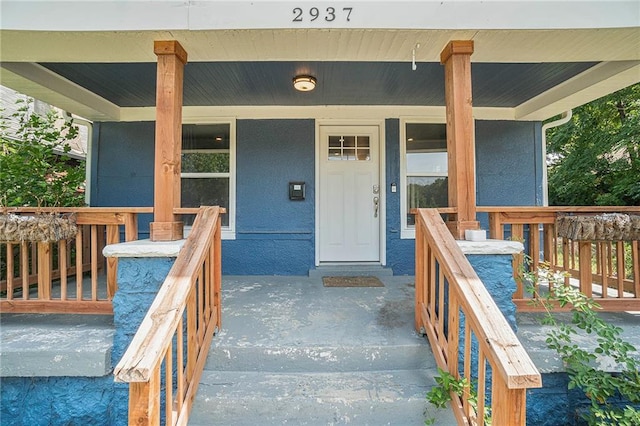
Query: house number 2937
[329, 14]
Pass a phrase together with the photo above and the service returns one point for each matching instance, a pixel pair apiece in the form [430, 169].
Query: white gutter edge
[566, 116]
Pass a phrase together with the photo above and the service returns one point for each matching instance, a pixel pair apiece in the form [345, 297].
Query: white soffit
[598, 81]
[40, 83]
[125, 15]
[508, 46]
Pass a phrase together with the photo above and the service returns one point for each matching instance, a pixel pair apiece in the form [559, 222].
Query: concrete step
[394, 397]
[315, 358]
[291, 351]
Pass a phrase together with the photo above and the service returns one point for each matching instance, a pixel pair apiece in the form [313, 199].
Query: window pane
[425, 192]
[206, 192]
[363, 141]
[427, 136]
[205, 136]
[349, 141]
[334, 141]
[363, 154]
[426, 162]
[204, 162]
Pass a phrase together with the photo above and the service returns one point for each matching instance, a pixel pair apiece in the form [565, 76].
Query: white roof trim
[131, 15]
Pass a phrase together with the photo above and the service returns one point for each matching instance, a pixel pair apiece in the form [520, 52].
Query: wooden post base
[166, 231]
[457, 228]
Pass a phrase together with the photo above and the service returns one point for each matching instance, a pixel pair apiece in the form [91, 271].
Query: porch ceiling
[517, 74]
[339, 83]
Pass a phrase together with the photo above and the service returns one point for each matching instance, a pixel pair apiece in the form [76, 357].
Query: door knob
[376, 206]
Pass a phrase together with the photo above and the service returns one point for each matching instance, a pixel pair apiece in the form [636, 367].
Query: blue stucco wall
[275, 235]
[44, 401]
[508, 164]
[496, 273]
[122, 157]
[400, 252]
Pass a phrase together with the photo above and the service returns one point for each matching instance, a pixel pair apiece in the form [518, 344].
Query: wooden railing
[177, 330]
[67, 276]
[608, 271]
[453, 308]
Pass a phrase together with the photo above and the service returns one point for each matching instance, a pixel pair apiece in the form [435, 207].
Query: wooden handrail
[192, 285]
[445, 278]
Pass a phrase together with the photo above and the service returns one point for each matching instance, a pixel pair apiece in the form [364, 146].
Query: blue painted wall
[122, 157]
[400, 253]
[275, 235]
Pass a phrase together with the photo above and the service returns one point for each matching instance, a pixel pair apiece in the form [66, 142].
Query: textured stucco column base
[142, 268]
[492, 261]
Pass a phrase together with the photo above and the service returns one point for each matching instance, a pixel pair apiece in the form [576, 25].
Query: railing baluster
[62, 267]
[24, 264]
[94, 262]
[113, 237]
[481, 386]
[168, 384]
[79, 262]
[466, 362]
[584, 259]
[180, 366]
[620, 268]
[10, 274]
[635, 261]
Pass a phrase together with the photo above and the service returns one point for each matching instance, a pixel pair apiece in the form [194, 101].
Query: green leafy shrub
[604, 390]
[34, 167]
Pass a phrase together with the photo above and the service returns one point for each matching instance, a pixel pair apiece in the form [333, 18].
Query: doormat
[358, 281]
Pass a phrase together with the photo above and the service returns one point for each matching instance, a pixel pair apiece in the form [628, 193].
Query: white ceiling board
[323, 45]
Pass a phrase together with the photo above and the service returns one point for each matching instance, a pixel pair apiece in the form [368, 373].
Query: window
[208, 170]
[349, 148]
[423, 170]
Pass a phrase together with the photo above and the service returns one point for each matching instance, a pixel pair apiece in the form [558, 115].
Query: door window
[349, 148]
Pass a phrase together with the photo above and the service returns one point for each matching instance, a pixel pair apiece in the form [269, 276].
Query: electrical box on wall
[296, 191]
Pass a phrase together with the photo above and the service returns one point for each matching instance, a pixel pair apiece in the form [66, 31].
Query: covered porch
[375, 81]
[273, 324]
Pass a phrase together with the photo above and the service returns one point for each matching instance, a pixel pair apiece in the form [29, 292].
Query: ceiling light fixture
[304, 83]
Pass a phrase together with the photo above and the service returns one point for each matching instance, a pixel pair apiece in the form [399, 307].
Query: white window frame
[407, 232]
[228, 232]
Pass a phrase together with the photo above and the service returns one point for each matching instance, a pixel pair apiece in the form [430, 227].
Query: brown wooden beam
[170, 70]
[456, 58]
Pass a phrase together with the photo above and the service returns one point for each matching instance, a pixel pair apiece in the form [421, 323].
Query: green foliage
[32, 171]
[600, 387]
[595, 158]
[447, 383]
[205, 162]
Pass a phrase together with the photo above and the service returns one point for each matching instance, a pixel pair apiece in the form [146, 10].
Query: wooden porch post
[456, 58]
[171, 60]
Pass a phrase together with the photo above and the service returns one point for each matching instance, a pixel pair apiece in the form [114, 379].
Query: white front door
[349, 194]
